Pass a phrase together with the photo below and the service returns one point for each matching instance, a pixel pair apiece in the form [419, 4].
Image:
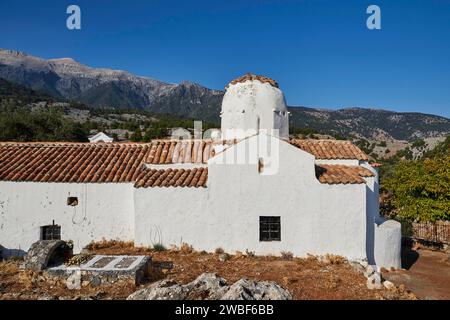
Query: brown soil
[427, 273]
[304, 278]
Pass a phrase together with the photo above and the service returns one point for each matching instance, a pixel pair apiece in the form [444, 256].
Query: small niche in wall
[260, 165]
[72, 201]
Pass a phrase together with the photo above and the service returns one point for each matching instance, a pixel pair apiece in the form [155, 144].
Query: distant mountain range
[106, 88]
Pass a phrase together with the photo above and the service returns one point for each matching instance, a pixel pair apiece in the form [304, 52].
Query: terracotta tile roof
[71, 162]
[337, 174]
[250, 76]
[124, 162]
[376, 164]
[195, 177]
[330, 149]
[183, 151]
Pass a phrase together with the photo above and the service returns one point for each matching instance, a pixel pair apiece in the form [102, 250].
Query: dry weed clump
[186, 248]
[159, 247]
[103, 244]
[79, 259]
[286, 255]
[331, 259]
[249, 253]
[219, 251]
[334, 259]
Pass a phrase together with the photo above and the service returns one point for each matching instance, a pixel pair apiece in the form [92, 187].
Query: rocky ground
[308, 278]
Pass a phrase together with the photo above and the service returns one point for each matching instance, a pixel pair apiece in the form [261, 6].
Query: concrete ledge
[102, 269]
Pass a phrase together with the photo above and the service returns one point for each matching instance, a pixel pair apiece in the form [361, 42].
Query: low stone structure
[373, 275]
[209, 286]
[100, 269]
[45, 253]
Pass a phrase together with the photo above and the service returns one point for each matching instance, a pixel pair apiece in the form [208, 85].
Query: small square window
[72, 201]
[269, 229]
[51, 232]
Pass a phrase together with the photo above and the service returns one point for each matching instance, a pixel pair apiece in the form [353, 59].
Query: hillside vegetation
[419, 190]
[27, 115]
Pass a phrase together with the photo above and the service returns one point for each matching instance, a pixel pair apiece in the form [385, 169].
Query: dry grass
[305, 278]
[29, 285]
[186, 248]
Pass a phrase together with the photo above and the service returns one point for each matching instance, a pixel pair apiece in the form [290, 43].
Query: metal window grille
[51, 232]
[269, 229]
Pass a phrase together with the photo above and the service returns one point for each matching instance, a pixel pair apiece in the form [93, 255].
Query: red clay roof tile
[71, 162]
[150, 178]
[342, 174]
[330, 149]
[123, 162]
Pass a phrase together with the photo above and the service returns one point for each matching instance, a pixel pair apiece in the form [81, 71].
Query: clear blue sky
[320, 52]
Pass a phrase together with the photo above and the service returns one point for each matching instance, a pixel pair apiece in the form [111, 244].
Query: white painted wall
[104, 211]
[252, 105]
[387, 244]
[383, 243]
[315, 218]
[346, 162]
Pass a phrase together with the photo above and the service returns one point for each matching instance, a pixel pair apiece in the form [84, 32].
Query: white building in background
[303, 196]
[100, 137]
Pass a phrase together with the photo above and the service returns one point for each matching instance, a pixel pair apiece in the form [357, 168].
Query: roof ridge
[331, 140]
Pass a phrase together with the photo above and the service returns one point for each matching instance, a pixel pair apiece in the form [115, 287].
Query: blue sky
[319, 51]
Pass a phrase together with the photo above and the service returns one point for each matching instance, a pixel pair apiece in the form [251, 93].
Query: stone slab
[107, 269]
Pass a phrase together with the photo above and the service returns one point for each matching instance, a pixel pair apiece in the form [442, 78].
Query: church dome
[253, 103]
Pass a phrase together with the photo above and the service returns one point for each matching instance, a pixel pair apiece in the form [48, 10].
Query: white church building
[252, 189]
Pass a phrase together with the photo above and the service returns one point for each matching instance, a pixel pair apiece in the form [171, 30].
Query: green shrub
[159, 247]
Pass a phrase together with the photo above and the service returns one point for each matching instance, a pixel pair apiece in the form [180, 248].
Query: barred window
[269, 229]
[51, 232]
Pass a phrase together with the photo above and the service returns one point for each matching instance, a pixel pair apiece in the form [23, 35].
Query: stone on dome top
[251, 76]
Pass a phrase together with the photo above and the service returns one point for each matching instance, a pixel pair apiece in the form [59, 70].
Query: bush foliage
[420, 190]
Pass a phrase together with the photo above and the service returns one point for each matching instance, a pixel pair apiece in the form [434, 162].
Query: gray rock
[363, 263]
[160, 290]
[374, 281]
[357, 266]
[389, 285]
[369, 271]
[73, 282]
[245, 289]
[207, 286]
[96, 281]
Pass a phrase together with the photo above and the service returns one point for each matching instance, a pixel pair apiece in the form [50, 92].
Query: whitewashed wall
[104, 211]
[252, 105]
[383, 243]
[315, 218]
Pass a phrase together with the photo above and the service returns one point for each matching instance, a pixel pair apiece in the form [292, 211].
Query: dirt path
[427, 274]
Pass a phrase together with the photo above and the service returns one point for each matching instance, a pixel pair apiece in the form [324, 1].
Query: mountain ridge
[107, 88]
